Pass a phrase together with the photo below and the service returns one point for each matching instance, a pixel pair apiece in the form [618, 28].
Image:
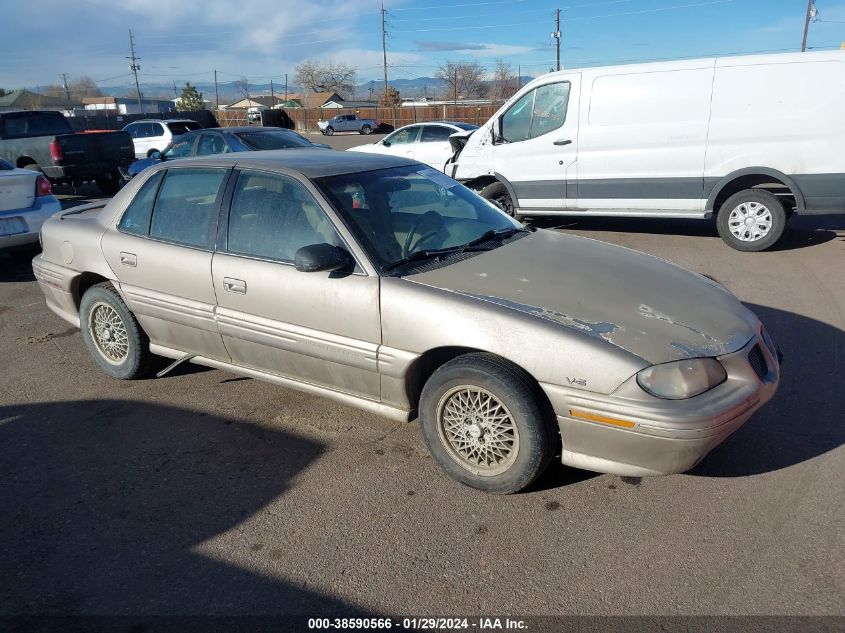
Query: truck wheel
[751, 220]
[483, 424]
[109, 185]
[118, 344]
[498, 193]
[366, 129]
[329, 131]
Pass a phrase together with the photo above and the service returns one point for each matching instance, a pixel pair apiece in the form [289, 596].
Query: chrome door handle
[129, 259]
[238, 286]
[563, 141]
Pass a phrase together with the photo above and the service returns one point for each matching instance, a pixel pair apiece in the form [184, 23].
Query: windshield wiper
[471, 246]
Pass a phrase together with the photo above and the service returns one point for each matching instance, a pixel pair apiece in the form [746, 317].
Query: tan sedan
[383, 284]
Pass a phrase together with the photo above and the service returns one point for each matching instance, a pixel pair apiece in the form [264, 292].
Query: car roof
[250, 128]
[162, 121]
[311, 163]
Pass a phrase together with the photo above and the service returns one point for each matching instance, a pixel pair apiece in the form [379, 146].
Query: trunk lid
[17, 189]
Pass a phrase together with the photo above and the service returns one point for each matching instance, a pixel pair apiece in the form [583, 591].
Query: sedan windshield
[273, 139]
[415, 214]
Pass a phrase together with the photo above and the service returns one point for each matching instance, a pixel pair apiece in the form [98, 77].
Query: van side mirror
[321, 257]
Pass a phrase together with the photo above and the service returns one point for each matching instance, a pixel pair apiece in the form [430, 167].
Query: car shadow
[116, 507]
[801, 232]
[16, 263]
[803, 420]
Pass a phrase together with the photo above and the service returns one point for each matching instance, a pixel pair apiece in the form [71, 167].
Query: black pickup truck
[44, 141]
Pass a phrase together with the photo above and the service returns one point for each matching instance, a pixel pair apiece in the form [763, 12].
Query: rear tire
[366, 129]
[112, 334]
[329, 131]
[751, 220]
[109, 185]
[482, 420]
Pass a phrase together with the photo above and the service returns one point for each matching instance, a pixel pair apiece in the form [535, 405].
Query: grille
[758, 362]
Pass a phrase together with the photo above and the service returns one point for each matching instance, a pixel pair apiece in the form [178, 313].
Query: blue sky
[263, 39]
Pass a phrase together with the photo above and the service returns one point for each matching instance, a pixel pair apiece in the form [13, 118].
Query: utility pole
[556, 35]
[175, 94]
[286, 87]
[811, 13]
[384, 50]
[216, 95]
[64, 83]
[135, 68]
[455, 85]
[519, 77]
[272, 95]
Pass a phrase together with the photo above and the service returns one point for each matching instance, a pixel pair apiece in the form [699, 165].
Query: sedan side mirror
[156, 154]
[321, 257]
[386, 143]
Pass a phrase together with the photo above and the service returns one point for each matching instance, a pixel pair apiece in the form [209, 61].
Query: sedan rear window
[183, 127]
[273, 139]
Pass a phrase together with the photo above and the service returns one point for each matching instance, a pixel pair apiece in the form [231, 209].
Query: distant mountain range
[417, 87]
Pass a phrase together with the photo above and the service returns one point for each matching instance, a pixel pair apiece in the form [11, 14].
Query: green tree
[191, 99]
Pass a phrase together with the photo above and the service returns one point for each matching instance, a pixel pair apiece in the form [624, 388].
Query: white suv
[154, 135]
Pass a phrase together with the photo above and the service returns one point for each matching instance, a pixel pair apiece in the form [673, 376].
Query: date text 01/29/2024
[417, 624]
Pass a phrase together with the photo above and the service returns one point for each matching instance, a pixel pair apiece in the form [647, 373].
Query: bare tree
[242, 86]
[390, 97]
[79, 88]
[463, 79]
[326, 77]
[505, 83]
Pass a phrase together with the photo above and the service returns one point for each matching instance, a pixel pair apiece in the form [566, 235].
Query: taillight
[43, 186]
[56, 151]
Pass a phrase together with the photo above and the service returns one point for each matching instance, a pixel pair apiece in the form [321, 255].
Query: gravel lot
[205, 493]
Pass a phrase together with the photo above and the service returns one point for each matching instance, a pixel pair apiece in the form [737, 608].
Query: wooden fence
[305, 119]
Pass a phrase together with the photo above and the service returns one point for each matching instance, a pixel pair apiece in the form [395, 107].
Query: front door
[536, 146]
[161, 254]
[322, 328]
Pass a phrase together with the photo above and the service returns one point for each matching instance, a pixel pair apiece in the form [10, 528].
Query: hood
[369, 147]
[640, 303]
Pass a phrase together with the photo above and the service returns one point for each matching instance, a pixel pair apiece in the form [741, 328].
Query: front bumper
[634, 434]
[29, 220]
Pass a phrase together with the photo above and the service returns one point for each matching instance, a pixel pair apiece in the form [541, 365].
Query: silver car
[383, 284]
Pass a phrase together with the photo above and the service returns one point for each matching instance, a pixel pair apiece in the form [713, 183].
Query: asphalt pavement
[205, 493]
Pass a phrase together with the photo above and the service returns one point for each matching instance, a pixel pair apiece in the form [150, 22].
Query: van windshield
[412, 215]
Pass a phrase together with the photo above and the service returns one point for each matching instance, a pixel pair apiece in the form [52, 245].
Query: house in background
[340, 103]
[28, 100]
[127, 105]
[260, 102]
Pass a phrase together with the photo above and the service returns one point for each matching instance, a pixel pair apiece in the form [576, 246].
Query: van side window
[539, 112]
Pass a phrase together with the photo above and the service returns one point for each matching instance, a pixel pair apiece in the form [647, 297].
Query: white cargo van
[750, 140]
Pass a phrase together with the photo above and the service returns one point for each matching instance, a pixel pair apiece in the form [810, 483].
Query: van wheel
[482, 422]
[498, 193]
[118, 344]
[751, 220]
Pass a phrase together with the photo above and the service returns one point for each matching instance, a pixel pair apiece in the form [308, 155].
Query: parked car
[347, 123]
[153, 135]
[26, 200]
[223, 140]
[749, 141]
[425, 142]
[44, 141]
[384, 284]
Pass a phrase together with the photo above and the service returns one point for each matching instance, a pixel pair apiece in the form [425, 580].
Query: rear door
[322, 328]
[536, 145]
[161, 255]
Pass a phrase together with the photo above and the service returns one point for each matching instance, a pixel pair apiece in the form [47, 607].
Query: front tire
[751, 220]
[329, 131]
[366, 129]
[112, 334]
[498, 193]
[483, 423]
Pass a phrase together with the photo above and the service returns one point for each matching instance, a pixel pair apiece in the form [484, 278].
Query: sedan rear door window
[136, 218]
[185, 210]
[434, 133]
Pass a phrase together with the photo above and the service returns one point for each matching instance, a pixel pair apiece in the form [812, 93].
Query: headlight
[682, 379]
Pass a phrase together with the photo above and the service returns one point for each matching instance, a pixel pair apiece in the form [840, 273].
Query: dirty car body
[397, 290]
